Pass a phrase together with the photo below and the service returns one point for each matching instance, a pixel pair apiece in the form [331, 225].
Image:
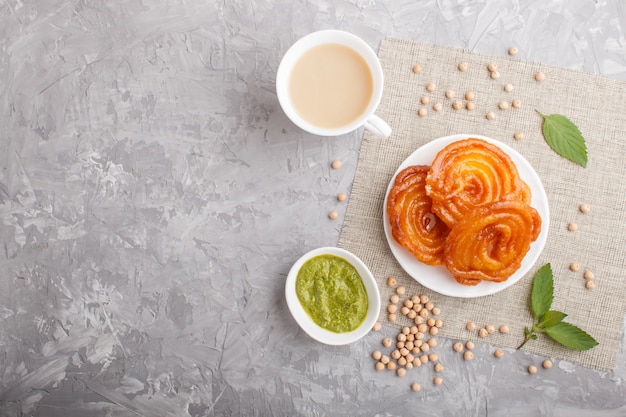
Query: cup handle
[377, 126]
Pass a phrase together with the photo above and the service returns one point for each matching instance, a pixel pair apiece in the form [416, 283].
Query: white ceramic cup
[367, 119]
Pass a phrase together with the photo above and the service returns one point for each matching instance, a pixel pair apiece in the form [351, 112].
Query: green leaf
[564, 138]
[542, 292]
[570, 336]
[551, 318]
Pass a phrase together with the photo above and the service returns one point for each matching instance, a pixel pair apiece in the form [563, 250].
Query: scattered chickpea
[572, 227]
[490, 328]
[406, 330]
[422, 328]
[401, 372]
[574, 266]
[405, 310]
[415, 299]
[401, 290]
[457, 104]
[436, 311]
[385, 360]
[483, 332]
[492, 67]
[463, 66]
[417, 362]
[377, 326]
[409, 365]
[410, 338]
[547, 364]
[470, 105]
[430, 322]
[585, 208]
[392, 317]
[508, 88]
[438, 367]
[333, 215]
[469, 345]
[417, 69]
[341, 197]
[395, 354]
[424, 299]
[469, 96]
[409, 346]
[516, 104]
[415, 387]
[411, 314]
[590, 285]
[417, 306]
[425, 347]
[589, 275]
[377, 355]
[433, 331]
[392, 308]
[387, 342]
[400, 345]
[429, 306]
[513, 50]
[336, 164]
[468, 356]
[495, 75]
[431, 87]
[424, 313]
[438, 323]
[540, 76]
[457, 347]
[450, 93]
[504, 329]
[518, 136]
[532, 369]
[433, 357]
[391, 281]
[437, 380]
[437, 107]
[401, 337]
[432, 342]
[490, 116]
[418, 320]
[402, 361]
[498, 353]
[379, 366]
[422, 112]
[391, 366]
[425, 100]
[424, 359]
[394, 299]
[470, 326]
[503, 105]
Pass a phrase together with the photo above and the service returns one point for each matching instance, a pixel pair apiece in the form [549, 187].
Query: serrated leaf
[570, 336]
[564, 137]
[551, 318]
[542, 292]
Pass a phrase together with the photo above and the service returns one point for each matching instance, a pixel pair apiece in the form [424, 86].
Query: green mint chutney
[332, 293]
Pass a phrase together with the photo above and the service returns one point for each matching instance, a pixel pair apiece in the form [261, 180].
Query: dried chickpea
[432, 342]
[590, 285]
[377, 326]
[437, 106]
[400, 345]
[457, 347]
[589, 275]
[504, 329]
[405, 310]
[540, 76]
[422, 112]
[508, 88]
[409, 346]
[392, 308]
[430, 322]
[469, 345]
[401, 290]
[503, 105]
[574, 266]
[408, 303]
[391, 366]
[429, 306]
[404, 351]
[415, 387]
[415, 299]
[410, 337]
[333, 215]
[513, 50]
[418, 342]
[572, 227]
[424, 299]
[402, 361]
[417, 69]
[416, 350]
[470, 326]
[463, 66]
[336, 164]
[391, 281]
[495, 75]
[433, 331]
[401, 372]
[433, 357]
[469, 96]
[431, 87]
[417, 362]
[498, 353]
[516, 104]
[437, 380]
[411, 314]
[424, 359]
[532, 369]
[417, 307]
[518, 136]
[470, 106]
[436, 311]
[585, 208]
[490, 116]
[419, 336]
[379, 366]
[425, 347]
[341, 197]
[392, 317]
[490, 328]
[547, 364]
[401, 337]
[424, 313]
[387, 342]
[395, 354]
[483, 332]
[418, 320]
[438, 367]
[425, 100]
[394, 299]
[457, 104]
[377, 355]
[406, 330]
[414, 330]
[422, 328]
[492, 67]
[450, 94]
[409, 365]
[438, 323]
[385, 359]
[468, 356]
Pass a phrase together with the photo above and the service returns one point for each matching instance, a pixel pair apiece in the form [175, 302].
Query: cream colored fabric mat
[594, 103]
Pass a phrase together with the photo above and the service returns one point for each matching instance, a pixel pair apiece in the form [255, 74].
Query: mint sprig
[550, 322]
[564, 137]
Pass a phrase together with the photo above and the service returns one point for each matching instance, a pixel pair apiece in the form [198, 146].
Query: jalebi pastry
[472, 173]
[413, 225]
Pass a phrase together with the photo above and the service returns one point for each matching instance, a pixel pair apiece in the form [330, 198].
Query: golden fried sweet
[490, 242]
[413, 225]
[472, 173]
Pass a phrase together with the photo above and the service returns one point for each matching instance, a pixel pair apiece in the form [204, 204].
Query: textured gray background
[153, 197]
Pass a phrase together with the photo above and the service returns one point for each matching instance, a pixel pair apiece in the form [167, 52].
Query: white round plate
[437, 278]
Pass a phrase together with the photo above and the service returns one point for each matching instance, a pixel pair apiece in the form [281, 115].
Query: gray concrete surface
[153, 197]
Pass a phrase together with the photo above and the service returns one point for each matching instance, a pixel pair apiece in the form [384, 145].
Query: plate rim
[484, 288]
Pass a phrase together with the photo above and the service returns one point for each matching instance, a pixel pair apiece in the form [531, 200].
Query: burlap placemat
[594, 103]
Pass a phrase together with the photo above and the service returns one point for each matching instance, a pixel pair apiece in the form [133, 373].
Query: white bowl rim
[307, 324]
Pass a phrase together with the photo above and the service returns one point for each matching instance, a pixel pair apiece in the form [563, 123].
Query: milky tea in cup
[330, 83]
